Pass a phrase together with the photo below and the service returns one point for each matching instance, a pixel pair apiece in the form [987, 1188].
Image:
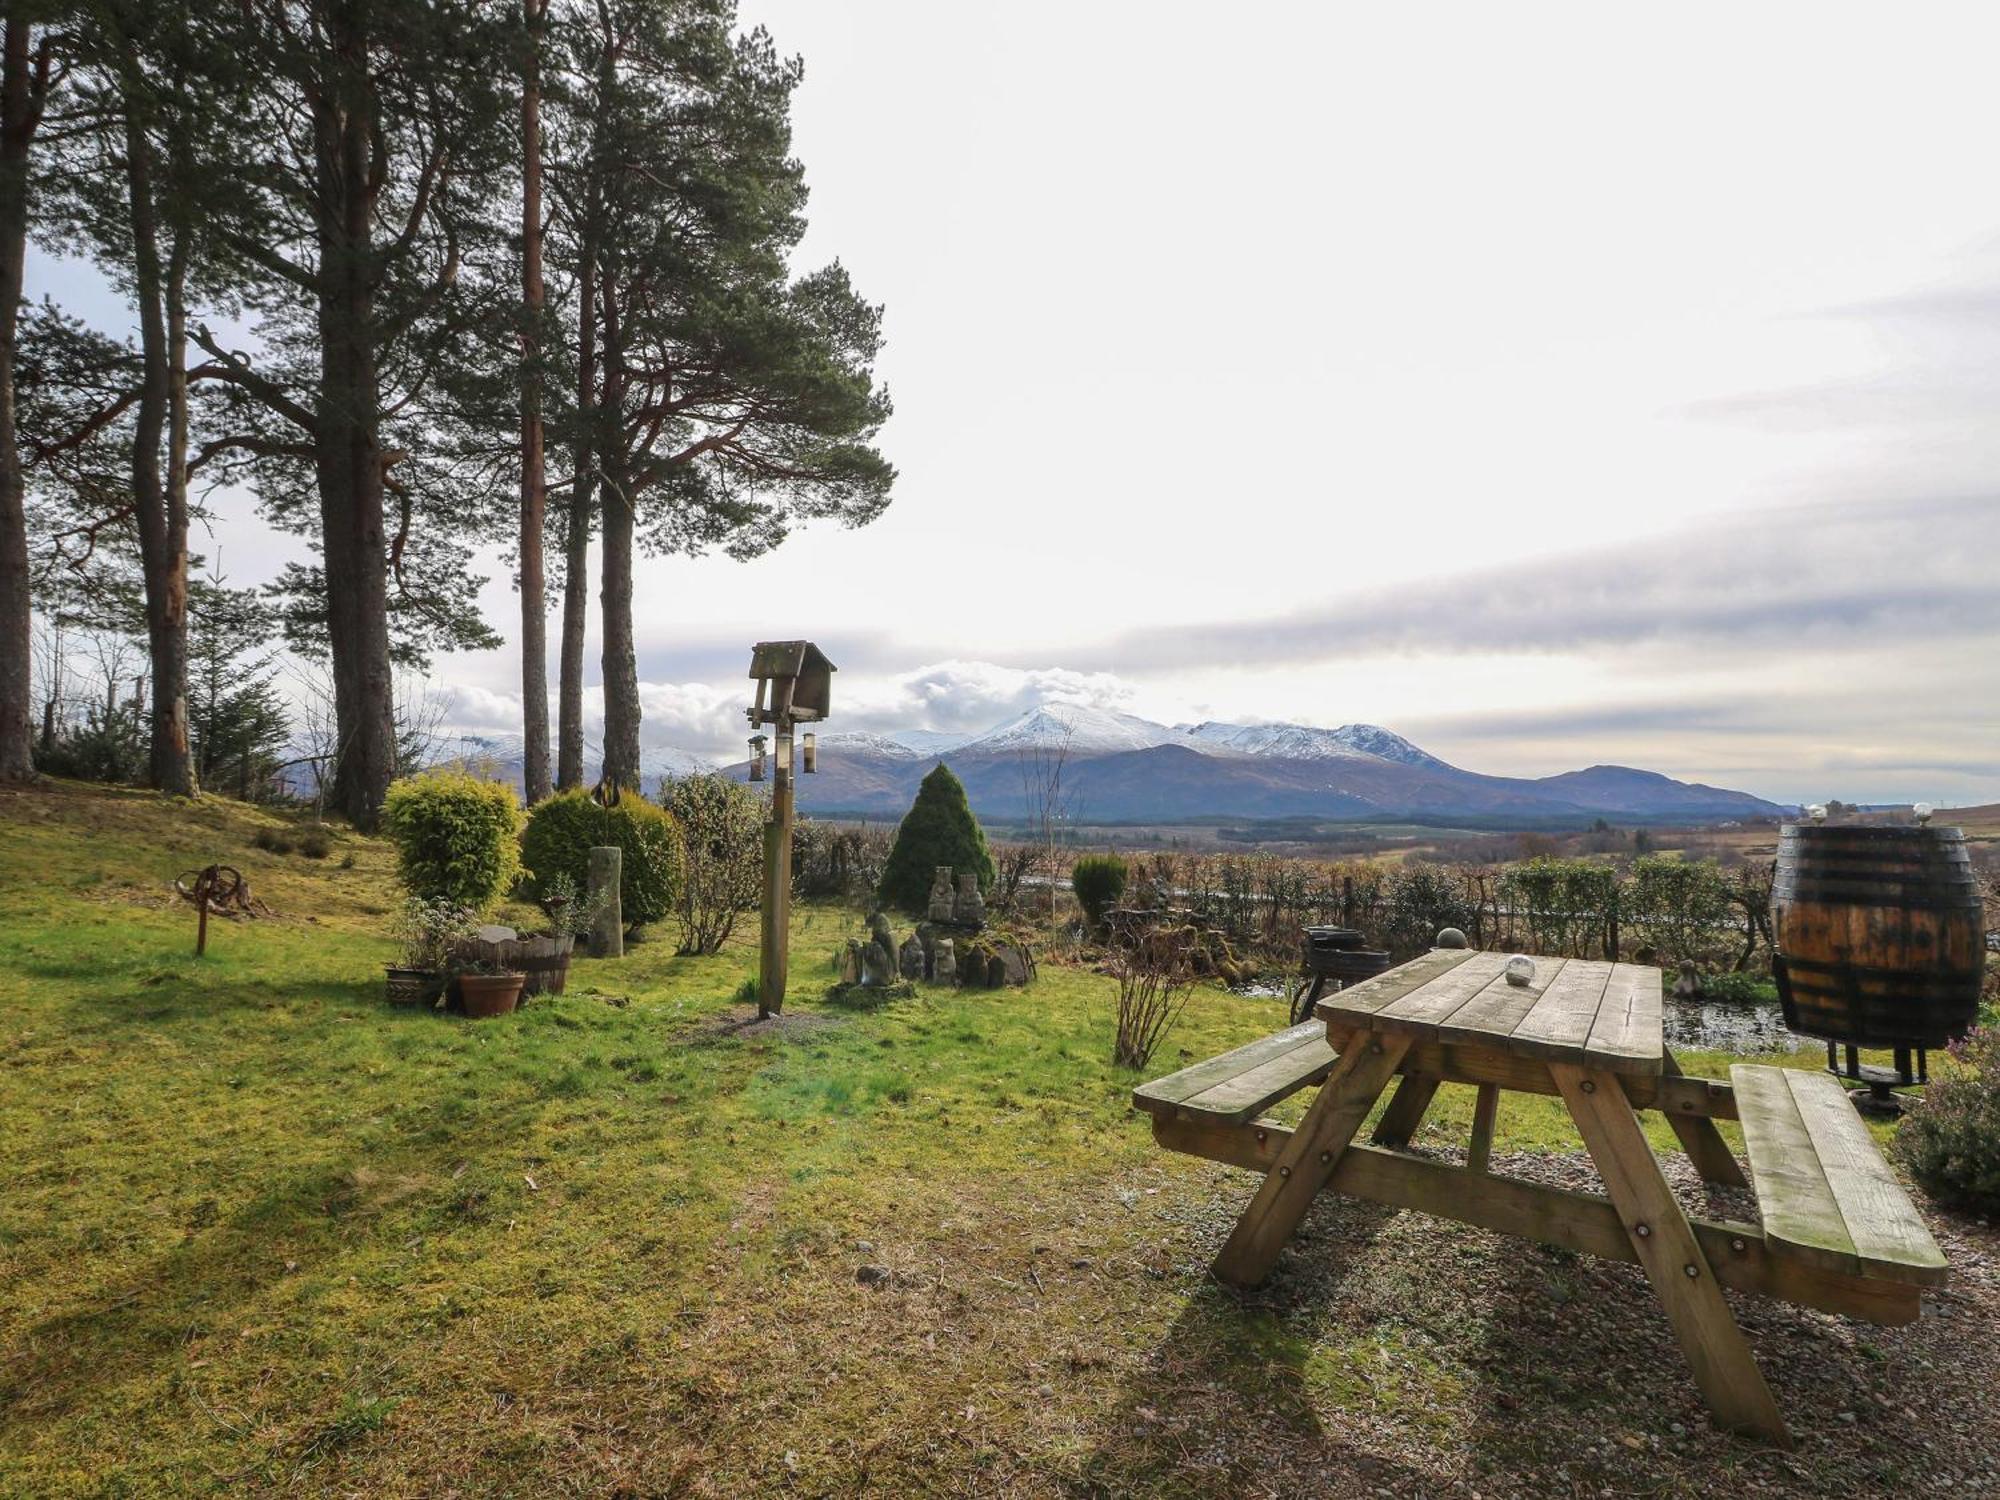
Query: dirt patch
[743, 1021]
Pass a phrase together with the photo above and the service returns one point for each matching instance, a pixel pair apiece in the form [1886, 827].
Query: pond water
[1691, 1025]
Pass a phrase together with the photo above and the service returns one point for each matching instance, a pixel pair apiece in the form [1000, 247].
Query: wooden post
[607, 933]
[774, 949]
[1485, 1107]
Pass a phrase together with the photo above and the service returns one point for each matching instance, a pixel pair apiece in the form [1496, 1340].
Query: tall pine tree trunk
[162, 552]
[534, 476]
[347, 453]
[23, 84]
[576, 535]
[620, 661]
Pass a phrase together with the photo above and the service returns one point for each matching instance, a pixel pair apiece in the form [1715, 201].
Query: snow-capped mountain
[1125, 769]
[1306, 742]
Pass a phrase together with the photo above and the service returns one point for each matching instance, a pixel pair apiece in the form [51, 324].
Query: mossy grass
[263, 1232]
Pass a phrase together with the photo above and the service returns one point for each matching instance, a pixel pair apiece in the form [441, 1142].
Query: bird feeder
[794, 686]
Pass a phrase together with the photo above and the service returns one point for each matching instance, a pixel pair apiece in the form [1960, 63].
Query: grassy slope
[261, 1229]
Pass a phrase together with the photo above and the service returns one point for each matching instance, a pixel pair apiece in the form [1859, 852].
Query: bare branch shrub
[1154, 967]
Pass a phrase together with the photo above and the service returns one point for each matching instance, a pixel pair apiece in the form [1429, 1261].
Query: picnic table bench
[1837, 1233]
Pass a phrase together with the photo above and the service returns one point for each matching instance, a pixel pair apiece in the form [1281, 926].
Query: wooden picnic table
[1837, 1230]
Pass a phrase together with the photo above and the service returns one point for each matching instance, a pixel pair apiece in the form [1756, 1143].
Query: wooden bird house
[794, 682]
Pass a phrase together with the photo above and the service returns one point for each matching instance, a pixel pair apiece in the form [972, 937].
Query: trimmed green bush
[939, 829]
[1951, 1140]
[454, 836]
[562, 831]
[1098, 880]
[723, 824]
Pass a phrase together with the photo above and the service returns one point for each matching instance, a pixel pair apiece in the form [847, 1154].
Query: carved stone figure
[878, 966]
[881, 932]
[927, 935]
[910, 958]
[941, 905]
[944, 964]
[850, 963]
[969, 909]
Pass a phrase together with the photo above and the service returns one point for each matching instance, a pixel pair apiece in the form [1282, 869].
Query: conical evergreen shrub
[939, 829]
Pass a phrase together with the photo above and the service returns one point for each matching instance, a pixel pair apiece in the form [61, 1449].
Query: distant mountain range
[1123, 769]
[1119, 768]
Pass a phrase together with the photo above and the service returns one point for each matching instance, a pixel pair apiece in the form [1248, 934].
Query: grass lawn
[261, 1232]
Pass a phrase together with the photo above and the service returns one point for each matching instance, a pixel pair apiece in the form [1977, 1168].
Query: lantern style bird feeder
[794, 686]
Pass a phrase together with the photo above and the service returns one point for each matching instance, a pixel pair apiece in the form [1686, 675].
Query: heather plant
[1950, 1140]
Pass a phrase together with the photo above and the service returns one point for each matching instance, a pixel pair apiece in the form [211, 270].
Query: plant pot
[545, 960]
[490, 994]
[414, 986]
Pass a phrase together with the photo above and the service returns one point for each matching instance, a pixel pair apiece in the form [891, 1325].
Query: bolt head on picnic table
[1838, 1232]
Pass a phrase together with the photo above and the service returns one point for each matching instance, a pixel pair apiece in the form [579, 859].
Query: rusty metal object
[217, 888]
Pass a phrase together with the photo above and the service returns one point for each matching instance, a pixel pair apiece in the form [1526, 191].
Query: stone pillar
[607, 934]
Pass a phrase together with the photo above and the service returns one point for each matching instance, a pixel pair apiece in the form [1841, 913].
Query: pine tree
[939, 829]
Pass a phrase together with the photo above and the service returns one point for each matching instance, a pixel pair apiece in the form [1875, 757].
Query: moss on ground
[262, 1231]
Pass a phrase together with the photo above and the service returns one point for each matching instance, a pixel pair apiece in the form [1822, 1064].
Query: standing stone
[850, 963]
[927, 935]
[879, 931]
[941, 904]
[607, 933]
[944, 965]
[878, 966]
[969, 908]
[910, 959]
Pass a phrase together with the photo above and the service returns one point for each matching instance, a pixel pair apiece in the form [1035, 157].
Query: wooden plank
[1489, 1018]
[1670, 1255]
[1629, 1034]
[1356, 1005]
[1575, 1221]
[1800, 1215]
[1485, 1111]
[1889, 1236]
[1308, 1160]
[1192, 1080]
[1252, 1092]
[1699, 1138]
[1420, 1011]
[1559, 1024]
[1529, 1075]
[1405, 1113]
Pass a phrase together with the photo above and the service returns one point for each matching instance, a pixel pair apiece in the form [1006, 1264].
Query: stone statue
[944, 966]
[927, 935]
[881, 932]
[910, 958]
[969, 909]
[850, 963]
[941, 901]
[878, 966]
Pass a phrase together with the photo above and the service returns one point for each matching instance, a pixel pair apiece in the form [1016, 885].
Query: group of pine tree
[421, 277]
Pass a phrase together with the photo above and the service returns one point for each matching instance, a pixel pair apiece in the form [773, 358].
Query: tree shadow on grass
[1234, 1393]
[132, 1333]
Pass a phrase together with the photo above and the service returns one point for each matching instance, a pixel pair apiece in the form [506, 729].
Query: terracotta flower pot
[490, 994]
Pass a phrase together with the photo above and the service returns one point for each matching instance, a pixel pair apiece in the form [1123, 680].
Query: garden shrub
[1097, 880]
[454, 836]
[939, 829]
[1950, 1141]
[271, 841]
[315, 843]
[1680, 906]
[561, 832]
[1741, 988]
[722, 823]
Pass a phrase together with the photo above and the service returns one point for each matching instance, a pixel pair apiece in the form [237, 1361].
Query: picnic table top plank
[1422, 1010]
[1558, 1026]
[1357, 1004]
[1889, 1236]
[1627, 1035]
[1490, 1016]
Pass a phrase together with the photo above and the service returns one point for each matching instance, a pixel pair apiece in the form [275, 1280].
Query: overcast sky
[1553, 384]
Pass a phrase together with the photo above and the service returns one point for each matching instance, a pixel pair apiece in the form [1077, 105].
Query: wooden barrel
[1879, 934]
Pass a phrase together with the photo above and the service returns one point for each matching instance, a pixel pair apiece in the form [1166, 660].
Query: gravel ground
[1398, 1354]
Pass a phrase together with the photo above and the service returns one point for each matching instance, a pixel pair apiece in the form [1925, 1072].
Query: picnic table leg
[1309, 1157]
[1405, 1113]
[1673, 1261]
[1703, 1142]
